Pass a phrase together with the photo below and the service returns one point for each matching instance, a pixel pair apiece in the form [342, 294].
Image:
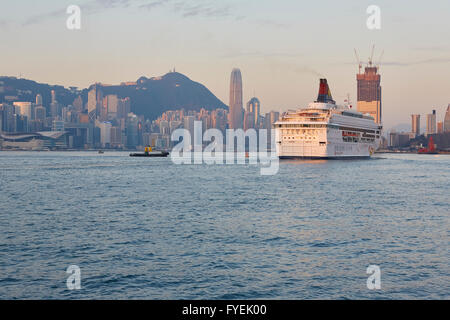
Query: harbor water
[146, 228]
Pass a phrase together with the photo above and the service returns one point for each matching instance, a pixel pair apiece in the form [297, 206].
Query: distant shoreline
[409, 152]
[133, 150]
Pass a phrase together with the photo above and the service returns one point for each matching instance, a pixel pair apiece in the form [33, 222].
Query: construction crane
[358, 61]
[379, 59]
[371, 56]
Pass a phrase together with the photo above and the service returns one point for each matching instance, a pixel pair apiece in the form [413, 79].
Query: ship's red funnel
[324, 92]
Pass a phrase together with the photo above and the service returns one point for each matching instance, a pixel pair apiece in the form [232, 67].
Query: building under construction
[369, 90]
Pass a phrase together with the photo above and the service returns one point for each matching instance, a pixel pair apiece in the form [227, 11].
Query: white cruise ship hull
[330, 141]
[330, 151]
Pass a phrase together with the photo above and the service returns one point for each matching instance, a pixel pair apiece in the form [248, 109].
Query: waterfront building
[398, 139]
[105, 133]
[34, 141]
[132, 130]
[116, 137]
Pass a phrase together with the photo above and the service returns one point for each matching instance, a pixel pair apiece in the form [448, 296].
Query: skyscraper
[235, 115]
[25, 109]
[110, 106]
[189, 126]
[92, 102]
[271, 118]
[440, 127]
[249, 120]
[54, 107]
[131, 130]
[447, 120]
[254, 107]
[38, 100]
[369, 92]
[431, 123]
[123, 107]
[39, 113]
[53, 96]
[105, 133]
[95, 102]
[219, 119]
[415, 125]
[78, 104]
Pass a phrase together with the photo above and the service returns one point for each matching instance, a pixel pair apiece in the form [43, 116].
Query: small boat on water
[431, 148]
[148, 152]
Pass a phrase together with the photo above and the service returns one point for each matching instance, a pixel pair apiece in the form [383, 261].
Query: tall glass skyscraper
[235, 115]
[254, 107]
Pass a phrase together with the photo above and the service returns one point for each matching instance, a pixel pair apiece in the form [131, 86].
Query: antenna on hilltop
[358, 61]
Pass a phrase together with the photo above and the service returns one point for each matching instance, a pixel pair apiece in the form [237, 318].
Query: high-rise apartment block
[415, 124]
[431, 123]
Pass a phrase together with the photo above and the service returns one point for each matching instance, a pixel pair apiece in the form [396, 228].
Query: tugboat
[431, 148]
[148, 152]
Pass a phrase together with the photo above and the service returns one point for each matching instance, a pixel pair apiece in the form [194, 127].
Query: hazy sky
[281, 47]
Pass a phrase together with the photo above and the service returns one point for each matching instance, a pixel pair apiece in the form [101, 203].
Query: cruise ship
[325, 130]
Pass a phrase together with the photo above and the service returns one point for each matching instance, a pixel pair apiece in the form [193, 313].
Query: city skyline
[206, 39]
[96, 102]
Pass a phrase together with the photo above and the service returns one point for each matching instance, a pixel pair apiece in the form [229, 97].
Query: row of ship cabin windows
[345, 139]
[301, 131]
